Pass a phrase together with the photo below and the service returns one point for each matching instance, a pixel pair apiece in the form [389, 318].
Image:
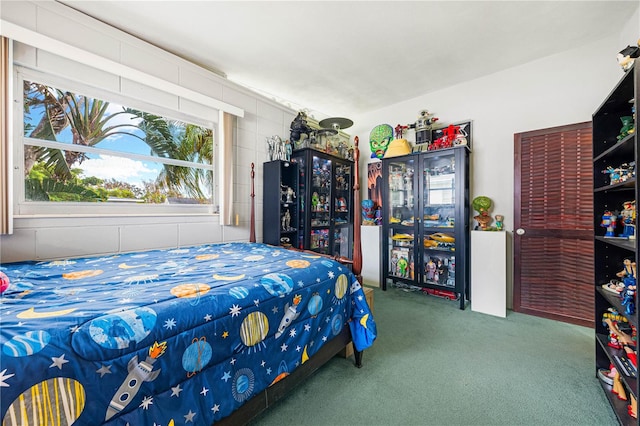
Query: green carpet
[433, 364]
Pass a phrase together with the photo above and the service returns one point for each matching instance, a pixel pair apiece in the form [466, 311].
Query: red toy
[4, 282]
[446, 294]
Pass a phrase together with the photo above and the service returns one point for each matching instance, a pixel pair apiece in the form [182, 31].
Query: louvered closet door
[553, 242]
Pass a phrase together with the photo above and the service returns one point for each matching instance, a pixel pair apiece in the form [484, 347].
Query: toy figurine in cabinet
[628, 215]
[609, 221]
[628, 273]
[288, 194]
[628, 300]
[628, 127]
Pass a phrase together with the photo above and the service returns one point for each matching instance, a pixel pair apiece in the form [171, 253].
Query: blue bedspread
[164, 337]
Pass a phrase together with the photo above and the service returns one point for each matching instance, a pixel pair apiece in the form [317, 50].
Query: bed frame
[261, 401]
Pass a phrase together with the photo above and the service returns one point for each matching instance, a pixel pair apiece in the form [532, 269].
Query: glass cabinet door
[401, 210]
[438, 201]
[320, 209]
[342, 210]
[302, 194]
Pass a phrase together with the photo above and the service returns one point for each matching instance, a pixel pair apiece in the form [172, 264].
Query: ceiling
[341, 58]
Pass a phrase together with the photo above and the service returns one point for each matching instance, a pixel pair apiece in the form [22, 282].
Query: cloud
[118, 168]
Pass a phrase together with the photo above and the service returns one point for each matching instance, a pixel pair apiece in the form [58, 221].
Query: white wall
[55, 237]
[556, 90]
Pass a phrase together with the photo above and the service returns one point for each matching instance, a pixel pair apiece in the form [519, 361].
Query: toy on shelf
[614, 286]
[286, 222]
[288, 194]
[341, 204]
[445, 294]
[379, 140]
[609, 220]
[370, 213]
[423, 126]
[452, 135]
[611, 319]
[398, 146]
[277, 149]
[628, 216]
[621, 173]
[628, 301]
[618, 387]
[626, 56]
[628, 273]
[499, 222]
[301, 132]
[482, 205]
[628, 127]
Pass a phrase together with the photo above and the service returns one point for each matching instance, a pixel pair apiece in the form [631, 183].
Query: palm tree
[86, 117]
[180, 141]
[88, 122]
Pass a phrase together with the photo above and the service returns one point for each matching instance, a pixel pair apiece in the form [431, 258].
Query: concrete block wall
[60, 236]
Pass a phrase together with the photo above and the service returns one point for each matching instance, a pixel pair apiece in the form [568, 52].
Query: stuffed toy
[4, 282]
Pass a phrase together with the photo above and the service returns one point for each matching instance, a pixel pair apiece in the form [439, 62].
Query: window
[86, 151]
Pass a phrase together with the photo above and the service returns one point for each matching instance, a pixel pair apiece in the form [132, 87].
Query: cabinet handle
[520, 231]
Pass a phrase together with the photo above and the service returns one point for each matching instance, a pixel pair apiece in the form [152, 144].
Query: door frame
[517, 199]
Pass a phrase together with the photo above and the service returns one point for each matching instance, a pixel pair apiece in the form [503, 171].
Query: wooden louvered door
[553, 242]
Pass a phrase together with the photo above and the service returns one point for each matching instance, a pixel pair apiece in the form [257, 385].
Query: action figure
[499, 222]
[628, 273]
[609, 221]
[628, 215]
[286, 221]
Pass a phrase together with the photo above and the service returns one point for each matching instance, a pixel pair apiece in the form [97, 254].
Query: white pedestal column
[489, 272]
[370, 237]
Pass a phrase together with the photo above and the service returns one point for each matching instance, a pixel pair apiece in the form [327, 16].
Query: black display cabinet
[280, 209]
[325, 194]
[615, 151]
[425, 234]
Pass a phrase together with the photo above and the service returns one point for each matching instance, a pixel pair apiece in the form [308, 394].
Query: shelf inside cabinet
[614, 356]
[629, 184]
[623, 148]
[619, 242]
[619, 406]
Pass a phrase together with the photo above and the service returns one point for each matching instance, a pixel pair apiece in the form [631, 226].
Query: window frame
[22, 207]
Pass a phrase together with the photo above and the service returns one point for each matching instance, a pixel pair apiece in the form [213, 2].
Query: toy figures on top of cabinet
[277, 149]
[423, 126]
[300, 130]
[626, 56]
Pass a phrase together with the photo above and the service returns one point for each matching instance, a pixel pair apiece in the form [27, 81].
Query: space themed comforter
[182, 336]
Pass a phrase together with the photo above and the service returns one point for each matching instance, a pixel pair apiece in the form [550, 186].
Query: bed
[201, 335]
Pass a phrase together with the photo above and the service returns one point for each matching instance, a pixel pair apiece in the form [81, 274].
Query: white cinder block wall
[56, 237]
